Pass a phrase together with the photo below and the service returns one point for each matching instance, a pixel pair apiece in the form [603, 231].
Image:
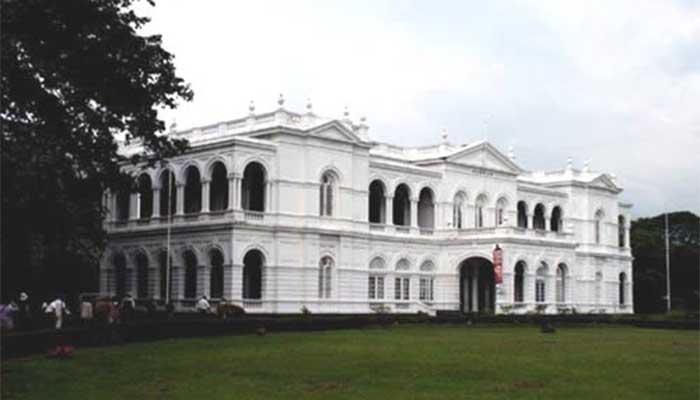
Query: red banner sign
[498, 265]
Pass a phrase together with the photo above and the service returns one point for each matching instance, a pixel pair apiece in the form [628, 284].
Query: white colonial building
[280, 211]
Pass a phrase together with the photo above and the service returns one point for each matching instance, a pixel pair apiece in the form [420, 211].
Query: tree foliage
[75, 75]
[648, 249]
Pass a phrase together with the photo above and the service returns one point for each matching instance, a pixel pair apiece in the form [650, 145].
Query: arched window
[519, 282]
[119, 262]
[216, 274]
[501, 206]
[193, 190]
[540, 284]
[458, 210]
[561, 283]
[621, 288]
[218, 191]
[555, 222]
[141, 276]
[168, 196]
[325, 194]
[375, 288]
[253, 187]
[479, 211]
[522, 214]
[427, 282]
[146, 196]
[123, 205]
[621, 231]
[190, 274]
[164, 278]
[426, 209]
[402, 205]
[599, 215]
[377, 202]
[252, 275]
[538, 219]
[598, 287]
[325, 270]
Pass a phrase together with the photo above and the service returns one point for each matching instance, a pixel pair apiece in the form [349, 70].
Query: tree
[75, 74]
[648, 249]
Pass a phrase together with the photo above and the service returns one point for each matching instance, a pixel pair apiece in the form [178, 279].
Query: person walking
[86, 311]
[23, 312]
[203, 306]
[128, 306]
[59, 309]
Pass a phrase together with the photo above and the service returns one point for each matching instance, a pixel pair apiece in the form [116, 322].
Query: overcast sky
[616, 83]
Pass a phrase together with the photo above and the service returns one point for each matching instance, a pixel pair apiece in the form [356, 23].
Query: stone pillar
[180, 206]
[389, 210]
[529, 287]
[268, 197]
[205, 195]
[414, 213]
[239, 193]
[627, 236]
[138, 206]
[547, 224]
[156, 202]
[531, 221]
[153, 283]
[177, 282]
[228, 282]
[232, 192]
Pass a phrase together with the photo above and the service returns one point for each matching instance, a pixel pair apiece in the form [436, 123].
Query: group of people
[20, 315]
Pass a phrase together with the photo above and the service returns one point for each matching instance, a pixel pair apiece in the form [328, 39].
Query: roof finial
[346, 113]
[444, 135]
[280, 101]
[251, 107]
[511, 152]
[586, 166]
[173, 126]
[569, 163]
[309, 106]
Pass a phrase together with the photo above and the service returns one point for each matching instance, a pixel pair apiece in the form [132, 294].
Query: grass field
[407, 362]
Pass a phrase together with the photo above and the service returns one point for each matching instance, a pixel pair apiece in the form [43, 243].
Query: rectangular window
[539, 291]
[376, 287]
[406, 288]
[423, 289]
[397, 289]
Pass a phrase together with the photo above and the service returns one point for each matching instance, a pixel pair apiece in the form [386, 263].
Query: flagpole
[668, 267]
[169, 227]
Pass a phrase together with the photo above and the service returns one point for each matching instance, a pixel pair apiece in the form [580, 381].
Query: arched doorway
[477, 290]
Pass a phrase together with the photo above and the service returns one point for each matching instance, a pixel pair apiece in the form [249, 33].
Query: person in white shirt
[59, 309]
[203, 306]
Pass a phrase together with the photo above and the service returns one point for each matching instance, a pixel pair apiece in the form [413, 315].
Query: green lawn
[410, 362]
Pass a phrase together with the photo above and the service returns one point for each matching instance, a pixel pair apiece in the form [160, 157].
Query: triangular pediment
[484, 155]
[604, 182]
[334, 130]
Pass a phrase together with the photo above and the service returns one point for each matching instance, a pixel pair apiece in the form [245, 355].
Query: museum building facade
[282, 211]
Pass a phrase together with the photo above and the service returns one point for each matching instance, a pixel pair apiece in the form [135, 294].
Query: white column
[232, 192]
[180, 206]
[156, 202]
[414, 213]
[531, 221]
[627, 236]
[268, 197]
[389, 210]
[205, 196]
[547, 224]
[239, 194]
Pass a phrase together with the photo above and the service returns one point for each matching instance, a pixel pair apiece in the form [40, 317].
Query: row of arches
[540, 217]
[401, 204]
[252, 196]
[145, 289]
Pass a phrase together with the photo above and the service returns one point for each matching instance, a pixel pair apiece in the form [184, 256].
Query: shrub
[227, 310]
